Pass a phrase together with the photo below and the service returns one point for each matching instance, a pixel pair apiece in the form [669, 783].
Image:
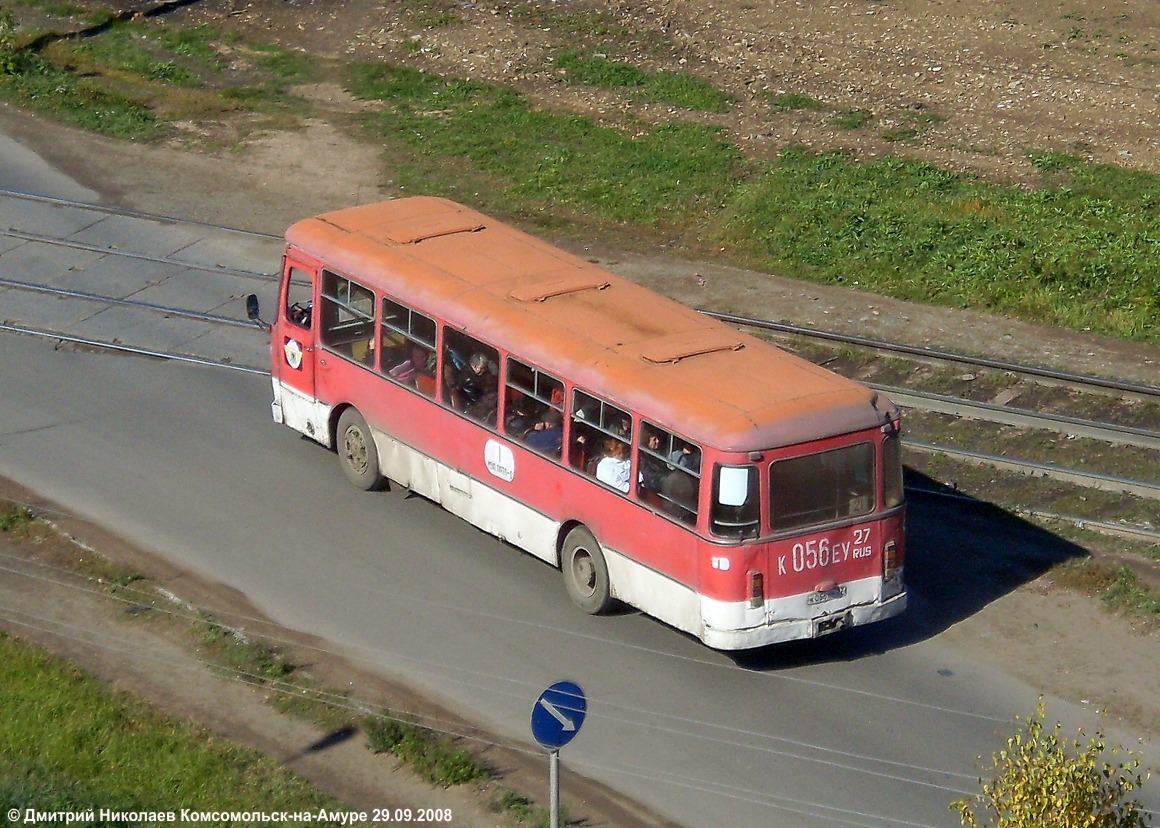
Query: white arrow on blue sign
[558, 714]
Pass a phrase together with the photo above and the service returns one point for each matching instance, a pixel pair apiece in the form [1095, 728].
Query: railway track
[177, 259]
[1079, 381]
[105, 277]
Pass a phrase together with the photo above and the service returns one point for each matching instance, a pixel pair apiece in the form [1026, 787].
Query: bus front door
[293, 344]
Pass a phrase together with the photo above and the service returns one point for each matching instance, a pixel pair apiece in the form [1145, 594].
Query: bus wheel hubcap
[356, 450]
[584, 571]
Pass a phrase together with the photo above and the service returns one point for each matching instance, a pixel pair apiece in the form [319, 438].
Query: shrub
[11, 55]
[1045, 780]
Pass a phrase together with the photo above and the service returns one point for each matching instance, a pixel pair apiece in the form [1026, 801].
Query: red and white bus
[658, 457]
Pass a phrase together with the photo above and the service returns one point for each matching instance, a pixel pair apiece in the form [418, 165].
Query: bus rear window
[822, 487]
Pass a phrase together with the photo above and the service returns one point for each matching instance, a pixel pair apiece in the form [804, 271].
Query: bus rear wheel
[357, 452]
[585, 572]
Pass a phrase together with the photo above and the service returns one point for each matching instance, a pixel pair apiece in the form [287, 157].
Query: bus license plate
[822, 596]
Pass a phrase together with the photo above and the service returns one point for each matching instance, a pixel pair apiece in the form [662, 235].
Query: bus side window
[534, 408]
[736, 510]
[668, 473]
[299, 306]
[407, 343]
[471, 376]
[600, 439]
[348, 318]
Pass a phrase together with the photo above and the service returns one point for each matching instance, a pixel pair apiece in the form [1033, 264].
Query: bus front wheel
[357, 452]
[585, 572]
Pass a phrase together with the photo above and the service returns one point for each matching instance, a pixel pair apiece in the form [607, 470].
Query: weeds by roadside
[1116, 585]
[434, 756]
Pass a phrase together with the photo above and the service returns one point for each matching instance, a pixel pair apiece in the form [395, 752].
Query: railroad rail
[1079, 381]
[128, 213]
[110, 345]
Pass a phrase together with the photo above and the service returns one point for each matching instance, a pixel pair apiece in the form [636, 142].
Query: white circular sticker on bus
[499, 460]
[293, 351]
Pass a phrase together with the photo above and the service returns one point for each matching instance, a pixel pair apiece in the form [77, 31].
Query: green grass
[680, 89]
[660, 173]
[525, 812]
[129, 49]
[67, 742]
[135, 77]
[852, 118]
[29, 79]
[1078, 252]
[16, 521]
[434, 756]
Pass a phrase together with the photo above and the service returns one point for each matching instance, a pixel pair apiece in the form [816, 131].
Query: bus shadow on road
[962, 554]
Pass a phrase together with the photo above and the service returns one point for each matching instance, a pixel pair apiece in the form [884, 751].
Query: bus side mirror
[253, 312]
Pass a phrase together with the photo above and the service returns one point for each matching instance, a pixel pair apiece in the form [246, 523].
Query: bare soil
[1004, 78]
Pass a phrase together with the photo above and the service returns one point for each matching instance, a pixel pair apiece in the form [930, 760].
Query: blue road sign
[558, 714]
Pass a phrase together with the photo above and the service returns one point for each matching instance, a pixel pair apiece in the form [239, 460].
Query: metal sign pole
[554, 783]
[556, 717]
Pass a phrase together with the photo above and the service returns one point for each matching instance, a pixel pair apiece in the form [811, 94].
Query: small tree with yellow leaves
[1045, 780]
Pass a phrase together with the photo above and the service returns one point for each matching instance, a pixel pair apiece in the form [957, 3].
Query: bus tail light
[756, 590]
[890, 562]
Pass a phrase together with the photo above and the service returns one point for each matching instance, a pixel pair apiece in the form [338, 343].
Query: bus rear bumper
[793, 629]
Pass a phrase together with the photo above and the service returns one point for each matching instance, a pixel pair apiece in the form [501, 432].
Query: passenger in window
[414, 364]
[423, 358]
[546, 437]
[679, 492]
[538, 425]
[582, 451]
[551, 416]
[523, 414]
[652, 470]
[485, 409]
[404, 372]
[686, 457]
[472, 382]
[614, 466]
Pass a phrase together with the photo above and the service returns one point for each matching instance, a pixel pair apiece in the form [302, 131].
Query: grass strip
[67, 742]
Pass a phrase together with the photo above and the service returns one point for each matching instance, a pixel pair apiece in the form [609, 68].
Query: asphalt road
[877, 727]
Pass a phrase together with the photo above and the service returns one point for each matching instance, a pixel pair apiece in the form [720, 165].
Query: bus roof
[697, 376]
